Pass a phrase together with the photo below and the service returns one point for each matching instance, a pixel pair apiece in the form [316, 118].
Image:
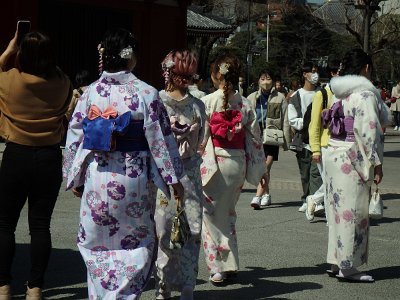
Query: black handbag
[297, 142]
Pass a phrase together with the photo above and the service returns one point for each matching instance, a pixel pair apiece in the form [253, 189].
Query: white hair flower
[126, 53]
[224, 68]
[169, 64]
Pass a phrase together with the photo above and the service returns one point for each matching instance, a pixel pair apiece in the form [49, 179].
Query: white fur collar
[343, 86]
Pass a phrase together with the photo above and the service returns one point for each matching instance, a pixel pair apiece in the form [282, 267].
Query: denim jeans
[33, 174]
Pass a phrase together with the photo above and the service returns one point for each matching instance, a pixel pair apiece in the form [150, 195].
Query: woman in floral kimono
[177, 268]
[353, 160]
[119, 142]
[233, 152]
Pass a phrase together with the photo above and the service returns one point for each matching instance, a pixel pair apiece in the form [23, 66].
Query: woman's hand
[78, 191]
[378, 174]
[11, 49]
[179, 192]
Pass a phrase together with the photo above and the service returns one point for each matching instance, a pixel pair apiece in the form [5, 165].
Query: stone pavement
[282, 256]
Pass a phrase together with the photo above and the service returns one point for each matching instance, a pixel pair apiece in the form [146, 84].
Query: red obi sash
[224, 133]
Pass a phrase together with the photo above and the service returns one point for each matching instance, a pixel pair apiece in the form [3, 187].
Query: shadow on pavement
[66, 268]
[255, 286]
[385, 273]
[391, 154]
[384, 220]
[390, 196]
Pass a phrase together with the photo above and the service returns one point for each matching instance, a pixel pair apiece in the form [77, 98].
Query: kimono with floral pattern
[223, 173]
[349, 173]
[177, 268]
[116, 234]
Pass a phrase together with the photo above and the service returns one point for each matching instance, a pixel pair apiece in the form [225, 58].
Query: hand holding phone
[23, 27]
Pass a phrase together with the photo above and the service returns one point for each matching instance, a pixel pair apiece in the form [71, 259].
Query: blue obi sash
[114, 134]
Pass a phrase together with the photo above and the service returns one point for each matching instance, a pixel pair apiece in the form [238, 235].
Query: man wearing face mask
[298, 104]
[270, 107]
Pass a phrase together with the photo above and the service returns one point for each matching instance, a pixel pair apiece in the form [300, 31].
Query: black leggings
[32, 173]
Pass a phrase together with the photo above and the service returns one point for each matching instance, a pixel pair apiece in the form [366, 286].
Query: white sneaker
[303, 208]
[310, 210]
[396, 128]
[266, 200]
[256, 202]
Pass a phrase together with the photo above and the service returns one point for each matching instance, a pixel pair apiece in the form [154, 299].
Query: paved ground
[282, 255]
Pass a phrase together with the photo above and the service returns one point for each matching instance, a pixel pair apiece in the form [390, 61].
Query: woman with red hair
[177, 268]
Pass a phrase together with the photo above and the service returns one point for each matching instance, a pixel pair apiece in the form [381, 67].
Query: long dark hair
[113, 42]
[231, 77]
[36, 55]
[354, 61]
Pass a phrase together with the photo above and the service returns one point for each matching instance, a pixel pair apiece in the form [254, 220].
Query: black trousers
[33, 174]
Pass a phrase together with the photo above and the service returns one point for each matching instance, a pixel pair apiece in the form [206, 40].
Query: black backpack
[307, 115]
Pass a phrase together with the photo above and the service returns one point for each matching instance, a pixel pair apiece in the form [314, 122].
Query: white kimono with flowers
[116, 232]
[177, 268]
[223, 173]
[349, 170]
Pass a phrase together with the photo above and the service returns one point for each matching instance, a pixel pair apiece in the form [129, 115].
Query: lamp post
[267, 34]
[248, 54]
[369, 7]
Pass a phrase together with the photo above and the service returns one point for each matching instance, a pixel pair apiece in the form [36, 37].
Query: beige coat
[395, 93]
[277, 113]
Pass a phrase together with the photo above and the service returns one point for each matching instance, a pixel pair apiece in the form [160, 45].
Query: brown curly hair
[231, 77]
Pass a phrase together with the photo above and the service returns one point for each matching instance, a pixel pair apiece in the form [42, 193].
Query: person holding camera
[34, 97]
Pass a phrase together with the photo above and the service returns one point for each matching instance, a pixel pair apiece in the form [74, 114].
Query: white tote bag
[376, 205]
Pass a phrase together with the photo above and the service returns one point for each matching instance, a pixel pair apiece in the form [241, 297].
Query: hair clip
[224, 68]
[126, 53]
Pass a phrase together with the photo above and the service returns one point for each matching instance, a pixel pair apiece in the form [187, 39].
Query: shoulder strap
[324, 98]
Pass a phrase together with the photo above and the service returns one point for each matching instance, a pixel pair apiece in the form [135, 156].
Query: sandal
[217, 278]
[356, 277]
[332, 273]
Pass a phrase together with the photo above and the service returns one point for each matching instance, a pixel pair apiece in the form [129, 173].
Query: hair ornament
[168, 64]
[126, 53]
[196, 76]
[101, 51]
[224, 68]
[340, 68]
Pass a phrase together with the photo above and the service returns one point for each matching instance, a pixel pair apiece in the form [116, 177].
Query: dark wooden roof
[200, 25]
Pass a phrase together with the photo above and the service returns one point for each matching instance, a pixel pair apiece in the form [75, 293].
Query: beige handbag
[180, 230]
[273, 136]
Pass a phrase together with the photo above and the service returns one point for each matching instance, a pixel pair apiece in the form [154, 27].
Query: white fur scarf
[343, 86]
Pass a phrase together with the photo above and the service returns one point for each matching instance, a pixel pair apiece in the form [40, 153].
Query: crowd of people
[138, 157]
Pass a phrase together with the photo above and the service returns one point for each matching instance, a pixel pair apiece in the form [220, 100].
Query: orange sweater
[32, 108]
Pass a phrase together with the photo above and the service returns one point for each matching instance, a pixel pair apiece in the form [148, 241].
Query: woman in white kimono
[352, 162]
[119, 142]
[233, 152]
[177, 268]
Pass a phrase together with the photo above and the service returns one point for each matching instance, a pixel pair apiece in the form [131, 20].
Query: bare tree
[373, 23]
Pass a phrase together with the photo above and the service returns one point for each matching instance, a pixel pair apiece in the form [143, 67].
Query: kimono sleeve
[74, 154]
[367, 129]
[255, 157]
[162, 144]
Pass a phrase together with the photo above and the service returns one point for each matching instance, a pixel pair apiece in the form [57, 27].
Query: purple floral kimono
[116, 232]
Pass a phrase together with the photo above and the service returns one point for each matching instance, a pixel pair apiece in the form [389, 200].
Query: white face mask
[314, 78]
